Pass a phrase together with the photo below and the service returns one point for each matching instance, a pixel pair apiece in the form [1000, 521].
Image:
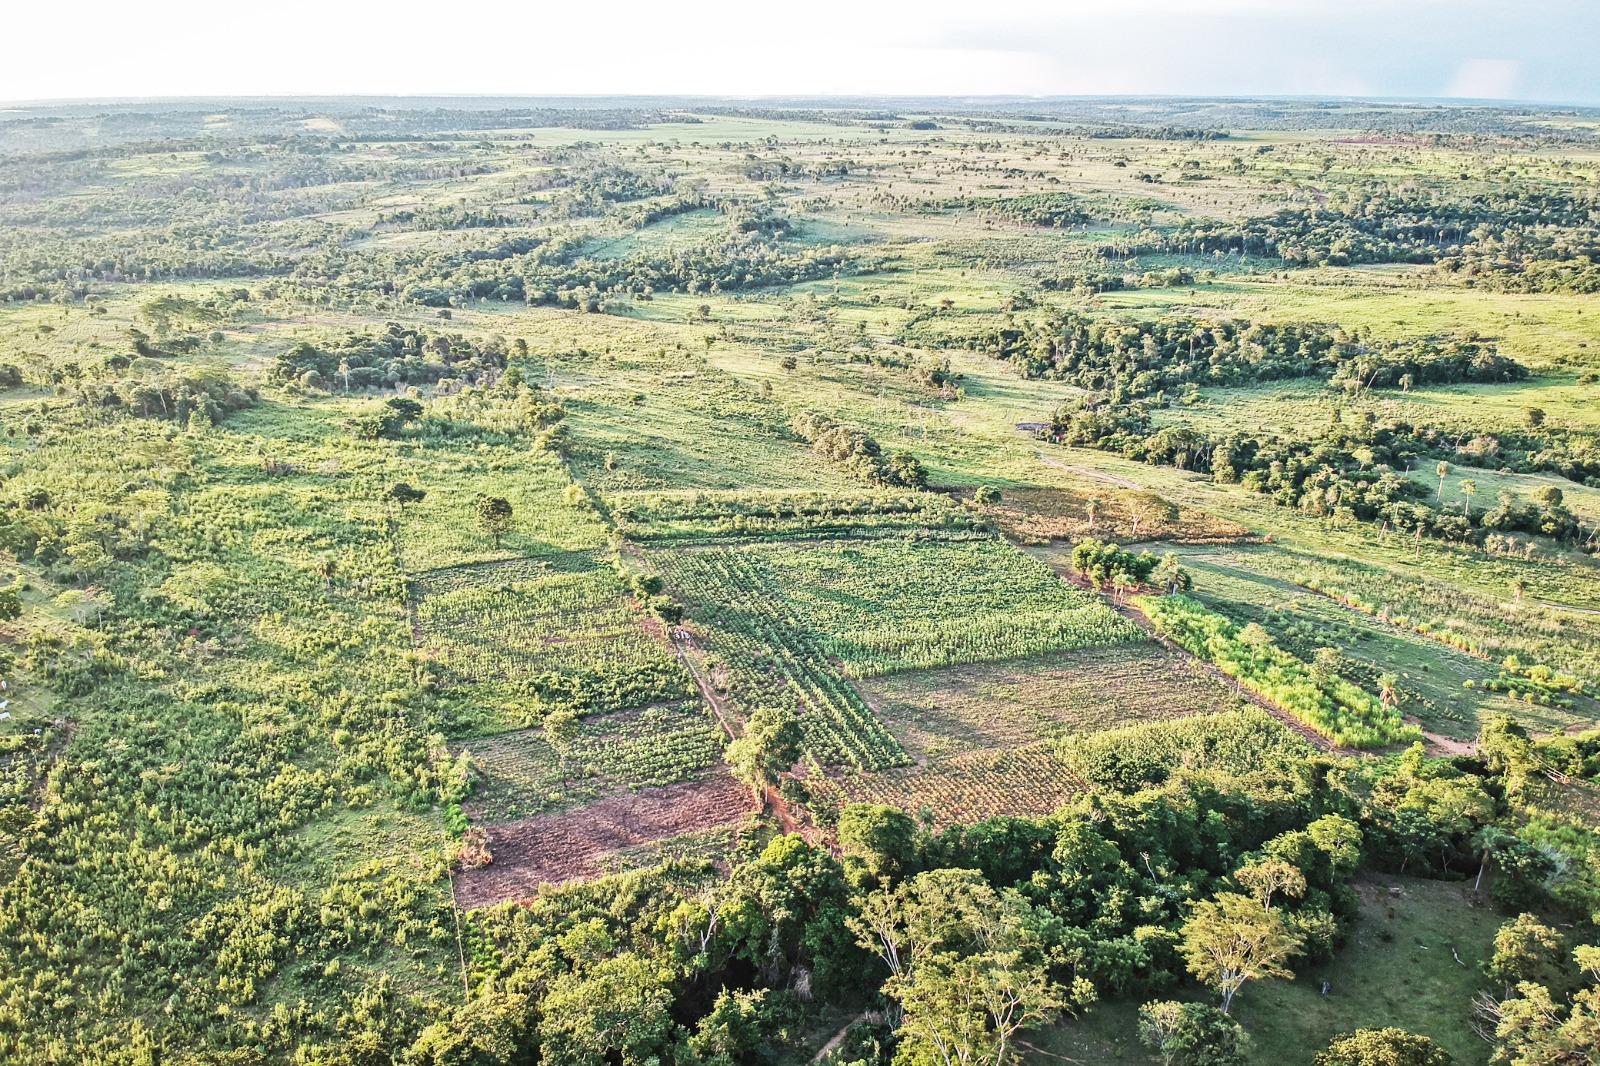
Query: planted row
[1326, 703]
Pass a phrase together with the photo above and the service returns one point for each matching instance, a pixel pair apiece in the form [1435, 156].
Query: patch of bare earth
[1036, 514]
[571, 845]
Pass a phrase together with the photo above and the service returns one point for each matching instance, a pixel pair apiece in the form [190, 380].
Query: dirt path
[1565, 607]
[835, 1040]
[683, 643]
[1083, 471]
[1439, 745]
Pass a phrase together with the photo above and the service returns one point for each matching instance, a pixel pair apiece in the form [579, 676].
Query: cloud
[1540, 49]
[1485, 79]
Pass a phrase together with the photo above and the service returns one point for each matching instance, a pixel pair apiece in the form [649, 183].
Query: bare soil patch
[573, 845]
[1039, 513]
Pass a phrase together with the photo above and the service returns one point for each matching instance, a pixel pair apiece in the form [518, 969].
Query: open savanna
[408, 513]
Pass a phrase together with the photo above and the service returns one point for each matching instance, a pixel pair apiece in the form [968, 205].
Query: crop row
[774, 660]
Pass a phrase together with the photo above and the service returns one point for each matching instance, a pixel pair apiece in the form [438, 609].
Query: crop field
[529, 635]
[937, 714]
[1465, 618]
[790, 623]
[764, 655]
[986, 738]
[1042, 514]
[1023, 781]
[522, 774]
[687, 516]
[411, 514]
[881, 606]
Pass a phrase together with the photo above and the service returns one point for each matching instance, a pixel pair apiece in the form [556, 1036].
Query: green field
[463, 571]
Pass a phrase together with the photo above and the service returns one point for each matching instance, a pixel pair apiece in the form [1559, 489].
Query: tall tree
[769, 745]
[1191, 1034]
[494, 517]
[1233, 939]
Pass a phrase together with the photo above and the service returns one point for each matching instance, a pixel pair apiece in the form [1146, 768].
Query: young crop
[899, 604]
[773, 659]
[546, 637]
[1330, 705]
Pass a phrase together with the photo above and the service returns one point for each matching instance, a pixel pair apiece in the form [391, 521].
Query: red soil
[550, 849]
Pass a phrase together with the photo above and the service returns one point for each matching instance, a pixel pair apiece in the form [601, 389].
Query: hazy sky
[1507, 49]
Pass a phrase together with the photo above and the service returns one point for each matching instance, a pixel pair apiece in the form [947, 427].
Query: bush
[1383, 1047]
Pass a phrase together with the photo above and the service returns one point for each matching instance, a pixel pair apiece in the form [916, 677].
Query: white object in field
[4, 715]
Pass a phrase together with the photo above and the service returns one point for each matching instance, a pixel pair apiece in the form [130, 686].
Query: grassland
[256, 693]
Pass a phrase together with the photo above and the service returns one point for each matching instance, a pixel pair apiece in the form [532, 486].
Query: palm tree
[1092, 507]
[1443, 470]
[1469, 489]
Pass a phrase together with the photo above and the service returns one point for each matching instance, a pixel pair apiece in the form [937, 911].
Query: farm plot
[697, 515]
[581, 843]
[936, 714]
[908, 603]
[527, 636]
[768, 657]
[1021, 782]
[523, 774]
[778, 616]
[1036, 514]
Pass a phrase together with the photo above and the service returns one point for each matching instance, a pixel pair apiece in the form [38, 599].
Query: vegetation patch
[526, 772]
[1328, 704]
[529, 638]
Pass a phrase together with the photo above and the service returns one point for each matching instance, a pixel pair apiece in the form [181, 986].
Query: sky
[1535, 50]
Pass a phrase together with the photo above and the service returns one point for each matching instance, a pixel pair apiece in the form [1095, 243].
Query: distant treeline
[1348, 469]
[1512, 238]
[1132, 359]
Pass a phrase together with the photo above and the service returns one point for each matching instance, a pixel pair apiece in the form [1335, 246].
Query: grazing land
[680, 582]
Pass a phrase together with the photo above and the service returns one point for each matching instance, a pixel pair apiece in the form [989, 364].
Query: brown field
[1038, 514]
[936, 714]
[578, 844]
[984, 736]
